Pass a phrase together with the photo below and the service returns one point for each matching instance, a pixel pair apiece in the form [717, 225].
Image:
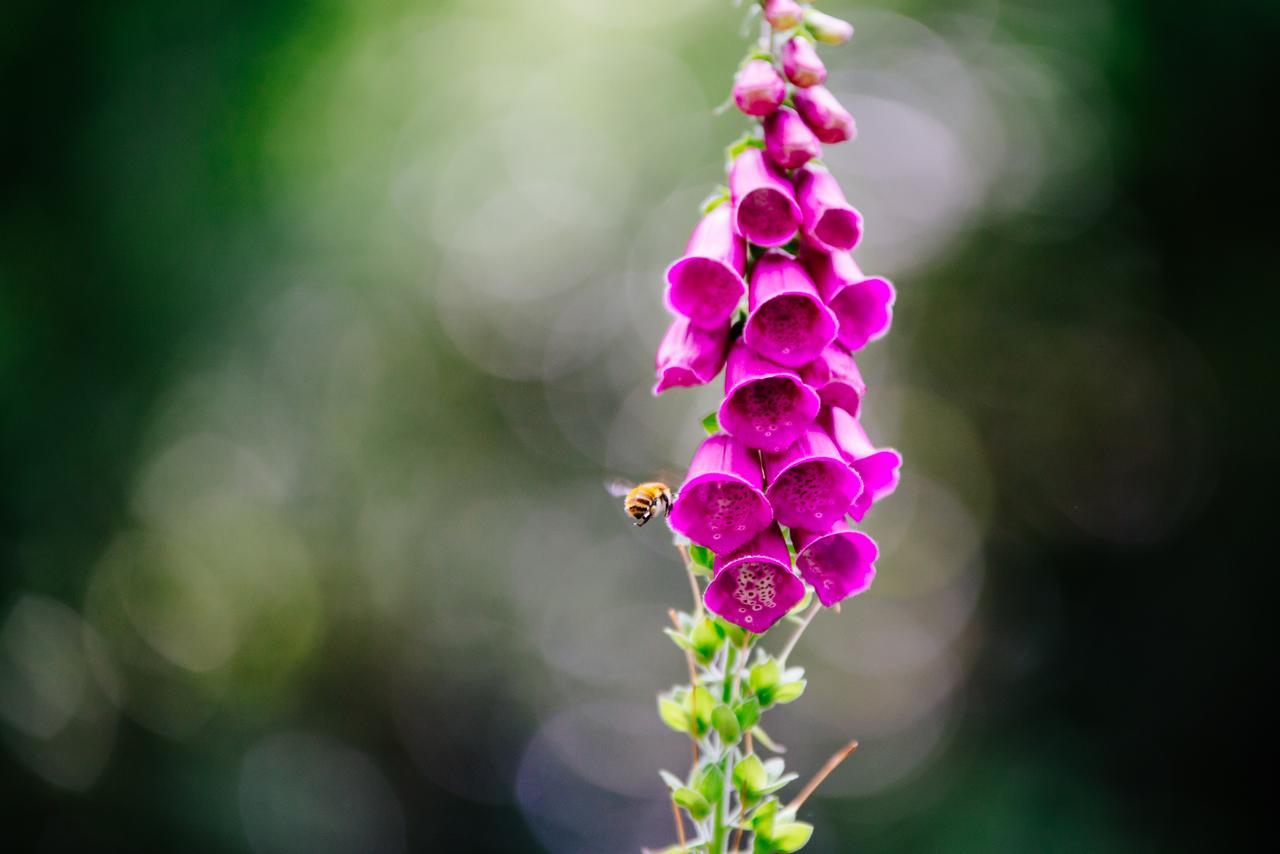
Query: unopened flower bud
[801, 64]
[827, 29]
[783, 14]
[824, 115]
[827, 216]
[758, 89]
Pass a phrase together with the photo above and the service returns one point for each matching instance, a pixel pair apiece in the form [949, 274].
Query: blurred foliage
[320, 324]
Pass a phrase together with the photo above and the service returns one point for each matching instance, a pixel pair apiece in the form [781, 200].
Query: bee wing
[618, 486]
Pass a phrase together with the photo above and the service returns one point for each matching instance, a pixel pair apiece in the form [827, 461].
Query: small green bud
[709, 781]
[749, 778]
[726, 723]
[789, 691]
[693, 802]
[706, 640]
[748, 713]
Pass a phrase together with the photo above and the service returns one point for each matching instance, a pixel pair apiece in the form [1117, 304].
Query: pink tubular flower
[758, 89]
[810, 485]
[788, 140]
[706, 284]
[801, 64]
[828, 217]
[863, 305]
[721, 505]
[824, 115]
[764, 204]
[765, 406]
[788, 322]
[836, 378]
[782, 14]
[839, 563]
[689, 356]
[754, 587]
[879, 468]
[827, 29]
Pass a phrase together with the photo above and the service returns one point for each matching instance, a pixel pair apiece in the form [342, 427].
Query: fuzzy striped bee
[642, 500]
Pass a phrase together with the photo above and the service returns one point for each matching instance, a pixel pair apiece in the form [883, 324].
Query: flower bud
[827, 29]
[879, 468]
[783, 14]
[863, 305]
[828, 217]
[764, 202]
[765, 406]
[829, 121]
[787, 321]
[810, 485]
[787, 139]
[758, 89]
[754, 587]
[706, 284]
[801, 64]
[839, 563]
[689, 356]
[721, 504]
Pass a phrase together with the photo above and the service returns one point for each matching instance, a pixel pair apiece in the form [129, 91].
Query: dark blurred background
[320, 323]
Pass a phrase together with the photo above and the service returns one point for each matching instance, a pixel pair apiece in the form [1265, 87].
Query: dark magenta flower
[787, 322]
[879, 468]
[764, 203]
[689, 356]
[824, 115]
[863, 305]
[801, 64]
[758, 88]
[783, 14]
[835, 377]
[809, 484]
[754, 586]
[828, 217]
[838, 563]
[827, 29]
[766, 406]
[788, 140]
[706, 284]
[721, 505]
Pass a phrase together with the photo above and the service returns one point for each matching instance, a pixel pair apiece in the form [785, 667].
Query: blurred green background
[321, 322]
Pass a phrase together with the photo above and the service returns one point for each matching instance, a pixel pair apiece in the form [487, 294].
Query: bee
[642, 500]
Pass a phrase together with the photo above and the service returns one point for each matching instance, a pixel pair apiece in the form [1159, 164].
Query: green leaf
[763, 738]
[749, 778]
[711, 423]
[709, 781]
[789, 691]
[706, 640]
[748, 713]
[779, 783]
[791, 836]
[673, 714]
[726, 723]
[693, 802]
[718, 197]
[702, 559]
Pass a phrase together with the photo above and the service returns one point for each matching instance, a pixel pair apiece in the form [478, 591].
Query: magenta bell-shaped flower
[758, 89]
[783, 14]
[721, 504]
[801, 64]
[863, 305]
[879, 468]
[827, 29]
[810, 485]
[766, 406]
[706, 284]
[689, 356]
[754, 586]
[788, 322]
[838, 564]
[764, 203]
[788, 140]
[828, 217]
[836, 378]
[829, 121]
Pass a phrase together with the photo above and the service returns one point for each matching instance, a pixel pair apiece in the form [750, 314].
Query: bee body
[642, 501]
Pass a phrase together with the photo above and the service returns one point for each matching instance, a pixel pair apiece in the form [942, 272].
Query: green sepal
[696, 805]
[763, 738]
[709, 782]
[763, 679]
[697, 707]
[736, 634]
[702, 558]
[678, 639]
[705, 640]
[741, 144]
[749, 778]
[673, 782]
[789, 691]
[762, 821]
[717, 198]
[673, 714]
[747, 712]
[711, 423]
[726, 723]
[791, 836]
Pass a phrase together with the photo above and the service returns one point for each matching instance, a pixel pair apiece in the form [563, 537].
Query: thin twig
[693, 688]
[675, 813]
[693, 580]
[795, 638]
[836, 758]
[737, 839]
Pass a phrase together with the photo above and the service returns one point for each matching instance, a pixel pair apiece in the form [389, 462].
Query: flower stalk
[768, 292]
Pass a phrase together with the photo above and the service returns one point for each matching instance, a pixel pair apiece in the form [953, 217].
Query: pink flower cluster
[790, 458]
